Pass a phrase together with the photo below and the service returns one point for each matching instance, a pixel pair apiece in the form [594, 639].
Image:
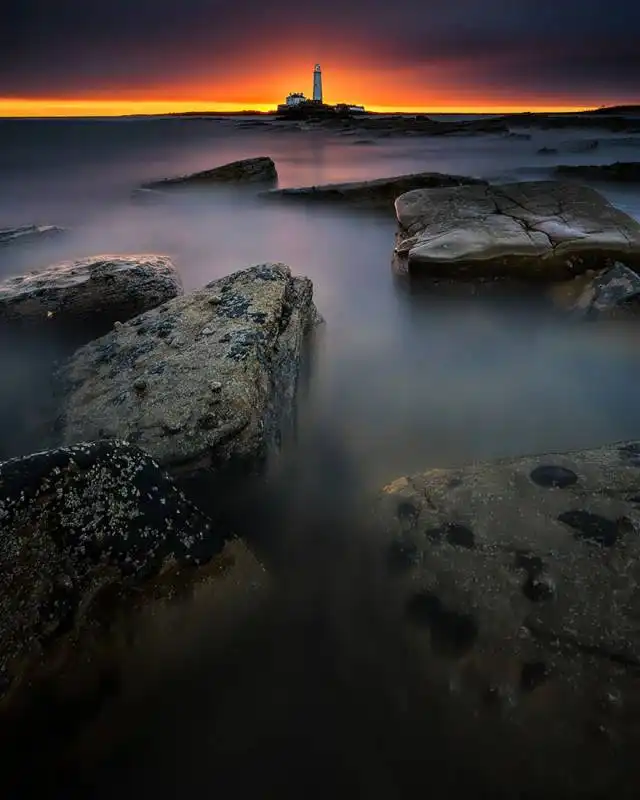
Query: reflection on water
[315, 692]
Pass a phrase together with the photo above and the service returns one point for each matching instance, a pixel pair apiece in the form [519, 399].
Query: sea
[399, 381]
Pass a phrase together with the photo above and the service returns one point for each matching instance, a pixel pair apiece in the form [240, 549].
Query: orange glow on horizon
[67, 107]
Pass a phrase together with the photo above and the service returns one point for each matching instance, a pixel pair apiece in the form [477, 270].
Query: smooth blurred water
[403, 380]
[400, 381]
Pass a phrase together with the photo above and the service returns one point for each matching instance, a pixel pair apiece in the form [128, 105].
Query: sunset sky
[153, 56]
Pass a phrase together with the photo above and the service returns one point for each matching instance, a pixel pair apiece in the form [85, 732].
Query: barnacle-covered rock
[74, 521]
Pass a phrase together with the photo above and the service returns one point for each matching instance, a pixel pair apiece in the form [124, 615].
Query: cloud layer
[583, 49]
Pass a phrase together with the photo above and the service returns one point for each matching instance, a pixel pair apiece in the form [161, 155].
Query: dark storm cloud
[72, 45]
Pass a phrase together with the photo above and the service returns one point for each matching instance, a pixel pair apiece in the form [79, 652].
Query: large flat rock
[544, 230]
[90, 294]
[248, 170]
[518, 583]
[378, 193]
[204, 382]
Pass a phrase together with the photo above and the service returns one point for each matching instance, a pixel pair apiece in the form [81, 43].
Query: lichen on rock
[243, 334]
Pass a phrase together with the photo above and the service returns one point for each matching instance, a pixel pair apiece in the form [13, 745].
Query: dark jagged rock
[247, 170]
[379, 193]
[74, 521]
[538, 230]
[539, 617]
[421, 124]
[614, 293]
[615, 123]
[25, 234]
[205, 382]
[619, 172]
[90, 294]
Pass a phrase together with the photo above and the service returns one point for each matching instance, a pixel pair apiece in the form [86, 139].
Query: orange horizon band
[54, 107]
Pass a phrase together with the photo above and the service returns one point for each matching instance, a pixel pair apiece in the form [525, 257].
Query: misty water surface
[403, 380]
[400, 381]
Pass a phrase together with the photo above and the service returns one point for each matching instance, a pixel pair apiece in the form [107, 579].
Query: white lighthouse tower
[317, 84]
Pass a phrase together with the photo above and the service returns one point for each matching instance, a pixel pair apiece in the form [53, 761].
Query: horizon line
[25, 108]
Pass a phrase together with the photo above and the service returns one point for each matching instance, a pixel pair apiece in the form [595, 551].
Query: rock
[90, 294]
[620, 172]
[547, 151]
[28, 233]
[220, 378]
[421, 124]
[75, 523]
[614, 293]
[587, 120]
[540, 230]
[247, 170]
[379, 193]
[518, 585]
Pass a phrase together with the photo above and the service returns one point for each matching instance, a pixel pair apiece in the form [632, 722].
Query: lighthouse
[317, 84]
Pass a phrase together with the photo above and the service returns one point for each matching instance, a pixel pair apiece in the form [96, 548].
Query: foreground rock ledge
[519, 585]
[94, 292]
[379, 193]
[73, 522]
[248, 170]
[544, 230]
[206, 381]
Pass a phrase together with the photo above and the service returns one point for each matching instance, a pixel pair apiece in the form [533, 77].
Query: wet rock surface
[77, 523]
[532, 631]
[540, 230]
[88, 295]
[247, 170]
[25, 234]
[619, 172]
[380, 193]
[203, 383]
[612, 294]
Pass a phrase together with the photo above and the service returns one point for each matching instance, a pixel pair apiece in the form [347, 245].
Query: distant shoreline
[605, 110]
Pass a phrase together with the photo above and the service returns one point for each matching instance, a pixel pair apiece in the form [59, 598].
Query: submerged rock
[614, 293]
[90, 294]
[247, 170]
[620, 172]
[28, 233]
[73, 522]
[379, 193]
[520, 602]
[206, 381]
[541, 230]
